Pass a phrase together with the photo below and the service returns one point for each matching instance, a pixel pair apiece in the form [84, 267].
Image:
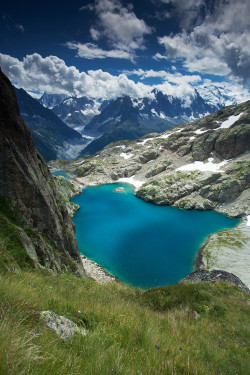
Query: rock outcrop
[62, 326]
[41, 220]
[202, 276]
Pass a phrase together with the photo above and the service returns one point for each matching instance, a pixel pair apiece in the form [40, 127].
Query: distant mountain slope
[51, 100]
[77, 112]
[53, 138]
[127, 119]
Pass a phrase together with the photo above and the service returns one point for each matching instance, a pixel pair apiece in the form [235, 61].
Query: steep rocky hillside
[53, 138]
[35, 229]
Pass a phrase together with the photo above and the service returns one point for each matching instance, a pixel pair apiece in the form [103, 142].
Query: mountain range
[68, 127]
[124, 118]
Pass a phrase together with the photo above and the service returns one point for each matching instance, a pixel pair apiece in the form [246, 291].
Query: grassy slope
[130, 332]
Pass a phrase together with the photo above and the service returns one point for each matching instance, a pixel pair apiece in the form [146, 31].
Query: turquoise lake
[142, 244]
[61, 172]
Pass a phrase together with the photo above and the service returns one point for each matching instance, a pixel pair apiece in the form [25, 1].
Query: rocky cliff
[36, 228]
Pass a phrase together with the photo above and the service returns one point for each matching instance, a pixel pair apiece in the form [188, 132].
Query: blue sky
[108, 48]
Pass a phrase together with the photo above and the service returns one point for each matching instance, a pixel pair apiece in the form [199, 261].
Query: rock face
[28, 186]
[62, 326]
[203, 276]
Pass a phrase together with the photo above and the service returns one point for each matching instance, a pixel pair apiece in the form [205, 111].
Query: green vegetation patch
[12, 251]
[130, 332]
[165, 298]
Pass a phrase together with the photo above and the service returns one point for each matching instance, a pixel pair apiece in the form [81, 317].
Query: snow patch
[122, 147]
[192, 138]
[162, 115]
[248, 221]
[203, 167]
[142, 143]
[164, 136]
[132, 181]
[126, 156]
[230, 121]
[199, 131]
[154, 112]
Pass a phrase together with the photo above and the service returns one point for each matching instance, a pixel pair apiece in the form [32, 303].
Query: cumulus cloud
[35, 73]
[119, 25]
[52, 75]
[92, 51]
[174, 78]
[218, 42]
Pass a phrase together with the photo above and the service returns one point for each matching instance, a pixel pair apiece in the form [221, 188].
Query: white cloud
[175, 78]
[95, 34]
[92, 51]
[120, 25]
[51, 74]
[158, 56]
[215, 41]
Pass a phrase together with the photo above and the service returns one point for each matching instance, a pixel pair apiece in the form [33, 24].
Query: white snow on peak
[68, 101]
[154, 112]
[203, 167]
[126, 156]
[191, 138]
[90, 112]
[230, 121]
[132, 181]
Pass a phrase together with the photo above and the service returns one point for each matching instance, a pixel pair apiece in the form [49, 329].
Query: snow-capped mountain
[126, 118]
[77, 112]
[130, 118]
[51, 100]
[52, 137]
[223, 95]
[73, 111]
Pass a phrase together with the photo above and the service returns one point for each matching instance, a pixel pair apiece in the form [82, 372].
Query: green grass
[131, 331]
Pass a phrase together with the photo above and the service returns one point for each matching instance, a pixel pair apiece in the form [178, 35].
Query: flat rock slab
[119, 190]
[202, 276]
[62, 326]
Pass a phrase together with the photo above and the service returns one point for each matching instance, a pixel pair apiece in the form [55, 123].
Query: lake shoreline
[198, 258]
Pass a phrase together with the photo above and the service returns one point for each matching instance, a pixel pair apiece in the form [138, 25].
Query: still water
[142, 244]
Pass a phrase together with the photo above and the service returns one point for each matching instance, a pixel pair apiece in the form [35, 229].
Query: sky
[110, 48]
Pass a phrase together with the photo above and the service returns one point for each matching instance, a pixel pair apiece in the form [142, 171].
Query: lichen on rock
[62, 326]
